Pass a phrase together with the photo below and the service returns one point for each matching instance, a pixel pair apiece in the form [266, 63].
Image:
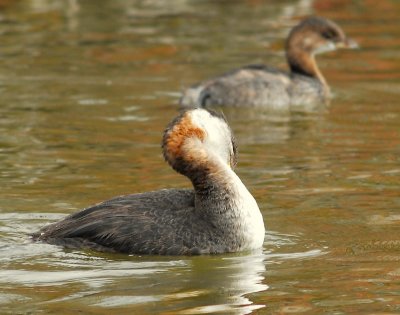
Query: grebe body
[265, 86]
[218, 215]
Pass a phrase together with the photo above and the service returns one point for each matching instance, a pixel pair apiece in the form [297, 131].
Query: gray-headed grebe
[260, 85]
[218, 216]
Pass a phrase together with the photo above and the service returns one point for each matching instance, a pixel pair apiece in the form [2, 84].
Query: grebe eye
[329, 34]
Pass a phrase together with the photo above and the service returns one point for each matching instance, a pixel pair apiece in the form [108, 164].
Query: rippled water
[87, 88]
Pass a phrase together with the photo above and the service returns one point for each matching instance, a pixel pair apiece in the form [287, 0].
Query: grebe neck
[305, 64]
[218, 187]
[302, 61]
[203, 151]
[222, 198]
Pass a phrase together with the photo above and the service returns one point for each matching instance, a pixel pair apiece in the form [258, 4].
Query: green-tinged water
[87, 88]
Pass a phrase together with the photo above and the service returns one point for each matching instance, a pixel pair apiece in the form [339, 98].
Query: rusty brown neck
[303, 63]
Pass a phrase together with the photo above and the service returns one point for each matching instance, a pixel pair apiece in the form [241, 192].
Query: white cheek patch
[218, 135]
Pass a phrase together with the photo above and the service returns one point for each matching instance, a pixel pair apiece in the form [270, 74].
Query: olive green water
[87, 88]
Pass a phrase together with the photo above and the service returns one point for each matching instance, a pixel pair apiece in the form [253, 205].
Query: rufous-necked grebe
[219, 215]
[264, 86]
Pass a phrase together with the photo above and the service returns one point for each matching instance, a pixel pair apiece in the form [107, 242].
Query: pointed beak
[348, 43]
[232, 162]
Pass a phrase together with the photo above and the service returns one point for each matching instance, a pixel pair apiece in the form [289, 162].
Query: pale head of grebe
[312, 36]
[199, 139]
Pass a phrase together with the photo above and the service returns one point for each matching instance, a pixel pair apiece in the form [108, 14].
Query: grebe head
[312, 36]
[198, 138]
[317, 35]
